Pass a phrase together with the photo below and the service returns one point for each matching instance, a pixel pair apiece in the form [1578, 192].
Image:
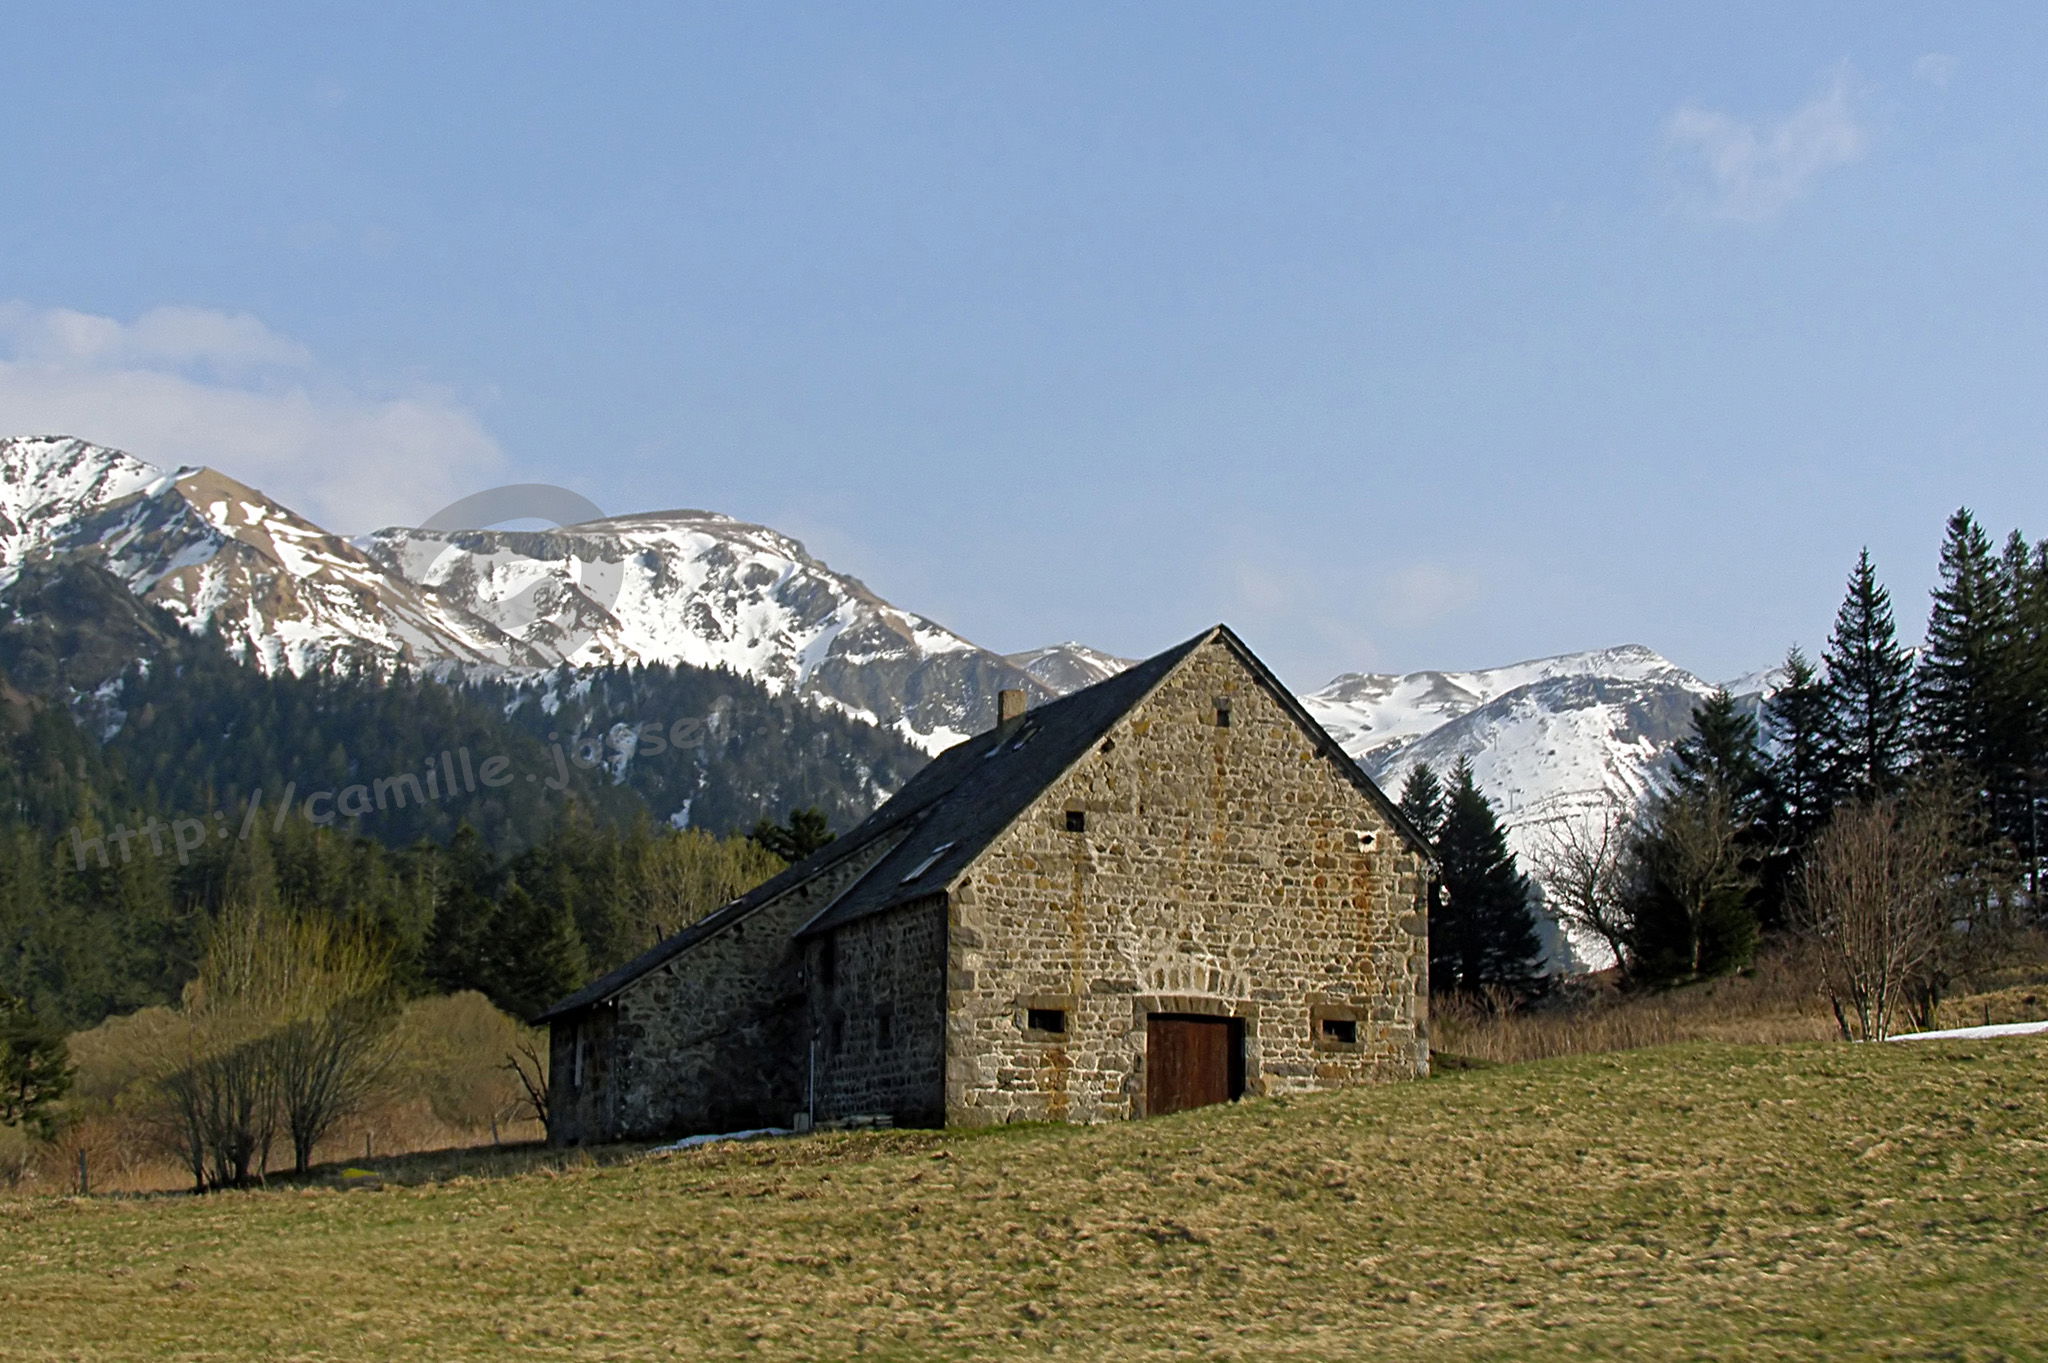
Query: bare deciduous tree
[287, 1027]
[529, 1061]
[336, 1027]
[688, 873]
[1879, 899]
[1579, 863]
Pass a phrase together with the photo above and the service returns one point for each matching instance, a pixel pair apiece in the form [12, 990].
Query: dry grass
[120, 1159]
[1701, 1201]
[2017, 991]
[449, 1090]
[2020, 1003]
[1772, 1004]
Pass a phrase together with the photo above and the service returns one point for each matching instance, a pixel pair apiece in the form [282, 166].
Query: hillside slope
[1693, 1202]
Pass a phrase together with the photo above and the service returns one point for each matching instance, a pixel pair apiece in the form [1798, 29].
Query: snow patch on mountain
[676, 587]
[1068, 667]
[1550, 740]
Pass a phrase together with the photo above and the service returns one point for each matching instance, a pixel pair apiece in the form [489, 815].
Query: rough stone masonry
[1169, 888]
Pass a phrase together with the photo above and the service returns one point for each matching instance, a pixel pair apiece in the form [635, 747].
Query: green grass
[1700, 1201]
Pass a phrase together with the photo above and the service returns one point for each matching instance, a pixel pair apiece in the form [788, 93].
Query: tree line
[144, 769]
[1881, 811]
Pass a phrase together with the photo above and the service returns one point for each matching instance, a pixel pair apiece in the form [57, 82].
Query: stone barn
[1169, 889]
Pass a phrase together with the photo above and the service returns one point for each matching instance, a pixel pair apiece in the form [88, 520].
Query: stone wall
[879, 1000]
[1225, 869]
[714, 1040]
[581, 1052]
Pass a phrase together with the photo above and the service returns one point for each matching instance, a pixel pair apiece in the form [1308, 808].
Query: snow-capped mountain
[1558, 746]
[667, 587]
[1551, 740]
[1375, 714]
[213, 552]
[1547, 738]
[704, 589]
[1069, 666]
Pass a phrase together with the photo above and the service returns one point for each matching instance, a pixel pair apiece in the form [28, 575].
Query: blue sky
[1397, 336]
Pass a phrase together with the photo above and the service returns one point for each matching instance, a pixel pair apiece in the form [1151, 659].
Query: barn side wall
[879, 1000]
[1221, 871]
[714, 1040]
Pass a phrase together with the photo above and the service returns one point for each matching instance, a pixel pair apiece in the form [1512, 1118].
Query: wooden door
[1191, 1061]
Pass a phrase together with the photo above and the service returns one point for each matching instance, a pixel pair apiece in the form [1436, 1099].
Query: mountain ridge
[1549, 737]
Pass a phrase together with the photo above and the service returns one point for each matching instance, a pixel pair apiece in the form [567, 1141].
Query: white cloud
[184, 385]
[1750, 171]
[1936, 69]
[1426, 591]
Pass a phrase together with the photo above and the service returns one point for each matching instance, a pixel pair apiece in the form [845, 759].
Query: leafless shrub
[451, 1057]
[1881, 894]
[287, 1029]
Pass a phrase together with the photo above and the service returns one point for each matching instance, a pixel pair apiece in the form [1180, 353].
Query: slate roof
[993, 778]
[963, 799]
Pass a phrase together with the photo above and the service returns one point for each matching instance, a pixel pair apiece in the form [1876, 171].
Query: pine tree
[806, 832]
[1798, 781]
[1869, 679]
[536, 956]
[1689, 888]
[1720, 752]
[34, 1072]
[1484, 933]
[1799, 773]
[2024, 817]
[1959, 687]
[464, 906]
[1422, 801]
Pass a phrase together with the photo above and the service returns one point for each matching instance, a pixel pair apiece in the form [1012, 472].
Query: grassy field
[1697, 1201]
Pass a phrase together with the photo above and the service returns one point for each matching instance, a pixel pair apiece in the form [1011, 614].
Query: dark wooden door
[1191, 1061]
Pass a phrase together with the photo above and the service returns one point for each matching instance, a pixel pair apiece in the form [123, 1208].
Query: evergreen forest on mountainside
[143, 772]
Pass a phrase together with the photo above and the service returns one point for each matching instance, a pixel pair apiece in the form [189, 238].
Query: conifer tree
[1798, 772]
[1799, 790]
[806, 832]
[1484, 933]
[34, 1070]
[1693, 856]
[1720, 752]
[2024, 817]
[536, 956]
[1422, 801]
[464, 906]
[1688, 888]
[1869, 679]
[1960, 688]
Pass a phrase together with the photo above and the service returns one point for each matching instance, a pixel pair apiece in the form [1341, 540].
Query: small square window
[1223, 714]
[1052, 1021]
[885, 1031]
[1341, 1031]
[1077, 821]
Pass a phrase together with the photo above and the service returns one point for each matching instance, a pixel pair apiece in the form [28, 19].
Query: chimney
[1009, 706]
